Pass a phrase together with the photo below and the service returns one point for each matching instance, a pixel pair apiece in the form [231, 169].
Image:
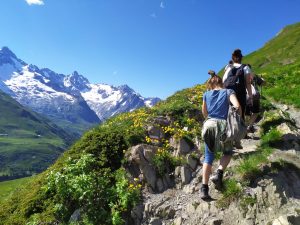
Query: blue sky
[156, 47]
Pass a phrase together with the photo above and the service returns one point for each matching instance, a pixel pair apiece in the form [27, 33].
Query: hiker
[254, 109]
[215, 108]
[211, 73]
[238, 78]
[229, 65]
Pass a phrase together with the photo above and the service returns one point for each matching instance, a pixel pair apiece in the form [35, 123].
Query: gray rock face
[75, 217]
[186, 174]
[141, 158]
[181, 146]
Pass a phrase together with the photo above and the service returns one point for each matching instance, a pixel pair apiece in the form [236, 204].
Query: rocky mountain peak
[76, 81]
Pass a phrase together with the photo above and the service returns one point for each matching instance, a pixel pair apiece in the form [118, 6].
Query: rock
[215, 222]
[178, 221]
[190, 208]
[177, 171]
[167, 181]
[162, 121]
[192, 162]
[75, 217]
[149, 151]
[202, 208]
[160, 185]
[137, 214]
[155, 132]
[189, 189]
[282, 220]
[287, 220]
[141, 155]
[296, 146]
[186, 175]
[150, 175]
[284, 108]
[197, 142]
[181, 146]
[155, 221]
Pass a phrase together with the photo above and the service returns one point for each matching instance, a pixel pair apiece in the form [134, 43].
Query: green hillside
[29, 143]
[90, 176]
[8, 187]
[279, 63]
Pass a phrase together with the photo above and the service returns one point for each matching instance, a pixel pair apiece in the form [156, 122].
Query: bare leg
[206, 173]
[224, 161]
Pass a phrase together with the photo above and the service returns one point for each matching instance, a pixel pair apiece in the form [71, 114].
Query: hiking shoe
[250, 129]
[238, 145]
[204, 193]
[218, 181]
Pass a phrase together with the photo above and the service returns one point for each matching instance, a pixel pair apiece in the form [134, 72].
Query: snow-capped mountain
[67, 99]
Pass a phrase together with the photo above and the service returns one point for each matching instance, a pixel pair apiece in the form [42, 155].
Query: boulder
[178, 221]
[181, 146]
[155, 221]
[192, 162]
[142, 155]
[137, 214]
[186, 174]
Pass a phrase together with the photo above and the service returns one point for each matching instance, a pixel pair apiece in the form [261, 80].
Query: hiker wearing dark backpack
[238, 78]
[254, 109]
[215, 108]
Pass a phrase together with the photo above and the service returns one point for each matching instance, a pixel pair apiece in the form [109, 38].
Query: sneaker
[218, 182]
[238, 145]
[204, 193]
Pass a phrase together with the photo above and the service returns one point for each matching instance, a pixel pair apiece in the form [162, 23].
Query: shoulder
[229, 92]
[247, 69]
[205, 95]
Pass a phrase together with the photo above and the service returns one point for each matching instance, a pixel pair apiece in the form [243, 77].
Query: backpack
[236, 128]
[236, 80]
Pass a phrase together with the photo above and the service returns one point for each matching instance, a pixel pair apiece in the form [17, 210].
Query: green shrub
[164, 162]
[231, 191]
[271, 138]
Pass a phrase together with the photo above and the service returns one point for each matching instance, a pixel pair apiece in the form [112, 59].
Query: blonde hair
[213, 82]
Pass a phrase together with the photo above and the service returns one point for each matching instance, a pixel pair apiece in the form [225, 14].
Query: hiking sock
[205, 186]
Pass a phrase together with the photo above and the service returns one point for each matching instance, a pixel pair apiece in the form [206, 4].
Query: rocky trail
[273, 198]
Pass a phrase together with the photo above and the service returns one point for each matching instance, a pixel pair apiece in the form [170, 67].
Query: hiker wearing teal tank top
[215, 108]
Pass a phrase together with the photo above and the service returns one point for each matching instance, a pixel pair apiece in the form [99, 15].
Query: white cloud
[115, 72]
[35, 2]
[162, 5]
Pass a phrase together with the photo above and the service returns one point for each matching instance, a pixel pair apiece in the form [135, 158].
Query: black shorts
[255, 108]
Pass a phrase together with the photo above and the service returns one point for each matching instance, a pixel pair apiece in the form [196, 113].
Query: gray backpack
[236, 129]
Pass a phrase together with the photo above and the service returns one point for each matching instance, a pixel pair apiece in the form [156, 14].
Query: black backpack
[236, 80]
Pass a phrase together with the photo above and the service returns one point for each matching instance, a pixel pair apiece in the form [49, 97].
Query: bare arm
[248, 85]
[235, 103]
[204, 109]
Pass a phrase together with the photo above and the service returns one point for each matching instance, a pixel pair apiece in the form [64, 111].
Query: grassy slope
[29, 143]
[8, 187]
[106, 143]
[279, 62]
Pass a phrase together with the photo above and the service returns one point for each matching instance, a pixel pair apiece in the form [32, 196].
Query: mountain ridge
[67, 99]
